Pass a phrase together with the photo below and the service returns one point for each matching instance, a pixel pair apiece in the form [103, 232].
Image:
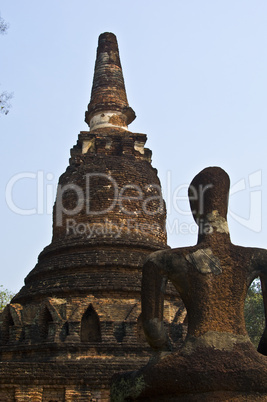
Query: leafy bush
[254, 312]
[5, 297]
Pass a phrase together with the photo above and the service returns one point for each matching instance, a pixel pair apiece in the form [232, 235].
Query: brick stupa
[77, 319]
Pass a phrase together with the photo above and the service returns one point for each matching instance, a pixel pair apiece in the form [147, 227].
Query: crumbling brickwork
[217, 361]
[77, 319]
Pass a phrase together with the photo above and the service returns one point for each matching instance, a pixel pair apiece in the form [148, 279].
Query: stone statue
[217, 359]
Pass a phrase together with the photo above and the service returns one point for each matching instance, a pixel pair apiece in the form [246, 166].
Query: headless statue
[217, 359]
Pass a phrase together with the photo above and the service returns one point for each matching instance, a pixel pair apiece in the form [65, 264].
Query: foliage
[4, 96]
[3, 26]
[125, 387]
[254, 312]
[4, 102]
[5, 297]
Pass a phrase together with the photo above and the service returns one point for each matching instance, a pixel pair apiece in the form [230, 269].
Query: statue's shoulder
[253, 257]
[156, 256]
[169, 255]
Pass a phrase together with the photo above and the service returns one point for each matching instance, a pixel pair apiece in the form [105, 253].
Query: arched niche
[7, 323]
[64, 332]
[90, 326]
[120, 331]
[45, 320]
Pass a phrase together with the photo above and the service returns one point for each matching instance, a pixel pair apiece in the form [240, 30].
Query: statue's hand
[156, 335]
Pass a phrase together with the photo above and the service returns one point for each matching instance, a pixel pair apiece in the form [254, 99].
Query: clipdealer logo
[176, 198]
[252, 185]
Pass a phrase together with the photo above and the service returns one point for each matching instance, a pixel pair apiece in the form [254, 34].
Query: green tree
[5, 297]
[4, 102]
[4, 96]
[254, 312]
[3, 26]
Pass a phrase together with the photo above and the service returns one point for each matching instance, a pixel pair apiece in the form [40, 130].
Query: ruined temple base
[210, 397]
[48, 394]
[197, 374]
[46, 382]
[60, 381]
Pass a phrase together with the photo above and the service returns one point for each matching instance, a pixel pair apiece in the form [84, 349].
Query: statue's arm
[262, 348]
[152, 298]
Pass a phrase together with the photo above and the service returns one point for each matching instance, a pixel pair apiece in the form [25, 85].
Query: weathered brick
[76, 321]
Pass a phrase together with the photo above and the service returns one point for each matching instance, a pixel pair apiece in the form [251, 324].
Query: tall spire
[108, 106]
[77, 319]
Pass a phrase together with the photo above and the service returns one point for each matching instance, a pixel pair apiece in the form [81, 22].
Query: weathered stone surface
[217, 359]
[108, 105]
[77, 319]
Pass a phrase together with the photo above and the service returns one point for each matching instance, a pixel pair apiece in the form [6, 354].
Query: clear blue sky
[196, 76]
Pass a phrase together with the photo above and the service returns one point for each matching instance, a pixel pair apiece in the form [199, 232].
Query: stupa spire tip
[108, 105]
